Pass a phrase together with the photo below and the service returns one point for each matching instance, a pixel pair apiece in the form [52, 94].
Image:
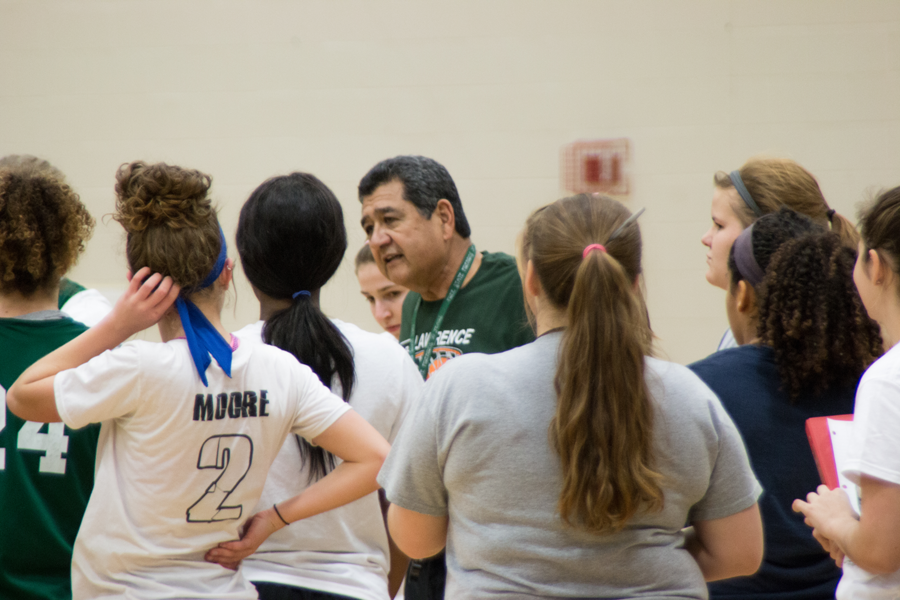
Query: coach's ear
[447, 218]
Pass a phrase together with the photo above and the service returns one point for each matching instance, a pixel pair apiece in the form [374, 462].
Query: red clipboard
[820, 442]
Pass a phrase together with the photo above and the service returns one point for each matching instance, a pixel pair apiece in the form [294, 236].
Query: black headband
[738, 183]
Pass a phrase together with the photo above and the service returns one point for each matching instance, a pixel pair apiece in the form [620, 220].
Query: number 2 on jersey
[52, 444]
[233, 455]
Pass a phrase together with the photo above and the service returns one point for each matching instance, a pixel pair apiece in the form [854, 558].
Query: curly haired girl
[805, 341]
[46, 470]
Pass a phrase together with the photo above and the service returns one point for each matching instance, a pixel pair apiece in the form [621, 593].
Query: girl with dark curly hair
[868, 545]
[805, 341]
[46, 470]
[85, 305]
[186, 441]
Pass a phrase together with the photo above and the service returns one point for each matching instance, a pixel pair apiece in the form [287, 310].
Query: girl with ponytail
[291, 239]
[760, 187]
[569, 467]
[867, 545]
[189, 426]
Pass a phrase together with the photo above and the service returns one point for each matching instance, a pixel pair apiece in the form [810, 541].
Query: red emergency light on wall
[590, 166]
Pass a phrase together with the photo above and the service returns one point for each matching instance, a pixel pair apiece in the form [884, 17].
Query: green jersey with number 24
[46, 473]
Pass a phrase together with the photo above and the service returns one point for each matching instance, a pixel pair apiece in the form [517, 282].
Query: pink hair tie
[587, 249]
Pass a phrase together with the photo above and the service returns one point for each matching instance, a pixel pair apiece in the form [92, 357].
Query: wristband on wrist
[275, 507]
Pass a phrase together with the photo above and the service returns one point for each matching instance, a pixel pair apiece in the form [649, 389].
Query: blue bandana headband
[738, 183]
[202, 338]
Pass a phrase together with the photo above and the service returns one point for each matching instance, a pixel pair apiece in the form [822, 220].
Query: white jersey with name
[343, 551]
[180, 466]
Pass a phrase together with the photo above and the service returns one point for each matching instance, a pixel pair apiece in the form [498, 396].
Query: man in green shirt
[460, 300]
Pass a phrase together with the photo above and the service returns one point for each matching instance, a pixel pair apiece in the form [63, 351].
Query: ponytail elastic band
[587, 249]
[830, 214]
[300, 293]
[738, 183]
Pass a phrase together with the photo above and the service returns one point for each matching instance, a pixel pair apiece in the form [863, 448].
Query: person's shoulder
[500, 261]
[144, 354]
[67, 289]
[498, 278]
[682, 399]
[267, 352]
[886, 367]
[382, 345]
[272, 363]
[668, 370]
[251, 333]
[731, 358]
[467, 367]
[674, 381]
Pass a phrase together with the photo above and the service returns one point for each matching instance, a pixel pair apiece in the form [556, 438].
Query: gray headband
[744, 259]
[738, 183]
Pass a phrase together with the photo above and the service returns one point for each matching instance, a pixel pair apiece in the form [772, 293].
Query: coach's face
[408, 248]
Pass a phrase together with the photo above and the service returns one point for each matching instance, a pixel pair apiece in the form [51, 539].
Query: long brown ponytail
[603, 427]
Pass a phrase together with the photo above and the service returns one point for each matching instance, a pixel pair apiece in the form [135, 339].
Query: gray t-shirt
[476, 448]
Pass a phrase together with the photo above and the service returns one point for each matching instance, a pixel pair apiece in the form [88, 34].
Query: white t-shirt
[344, 551]
[180, 466]
[88, 307]
[875, 452]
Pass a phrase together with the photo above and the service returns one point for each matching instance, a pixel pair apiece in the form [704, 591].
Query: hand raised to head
[145, 301]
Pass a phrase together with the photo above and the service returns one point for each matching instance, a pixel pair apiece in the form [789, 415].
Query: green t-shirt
[67, 289]
[487, 315]
[46, 473]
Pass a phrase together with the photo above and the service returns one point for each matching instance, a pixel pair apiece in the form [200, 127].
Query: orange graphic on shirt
[439, 356]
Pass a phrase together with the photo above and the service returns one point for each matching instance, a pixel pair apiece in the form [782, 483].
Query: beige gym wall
[493, 89]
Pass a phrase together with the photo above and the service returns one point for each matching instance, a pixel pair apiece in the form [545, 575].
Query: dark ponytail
[291, 238]
[603, 427]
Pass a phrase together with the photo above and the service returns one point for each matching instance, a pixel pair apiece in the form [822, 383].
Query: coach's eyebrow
[382, 211]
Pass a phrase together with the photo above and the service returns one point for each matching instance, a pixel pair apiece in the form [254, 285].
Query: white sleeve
[88, 307]
[409, 384]
[106, 387]
[875, 450]
[317, 407]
